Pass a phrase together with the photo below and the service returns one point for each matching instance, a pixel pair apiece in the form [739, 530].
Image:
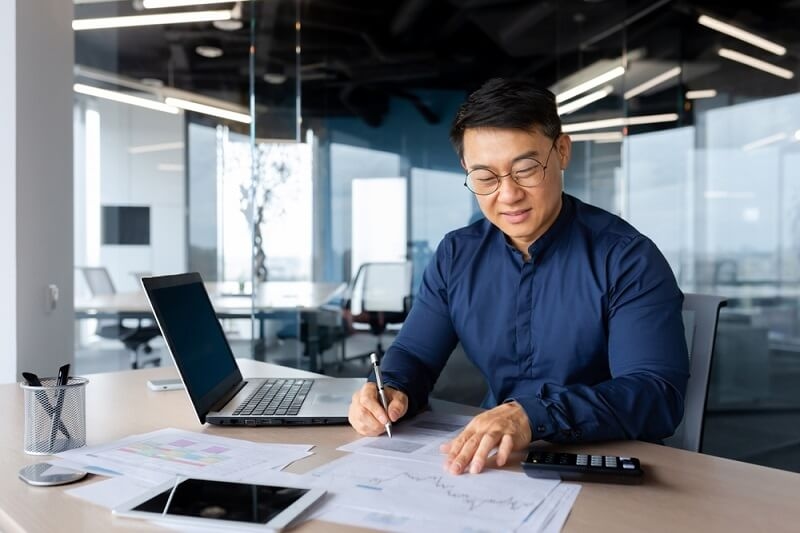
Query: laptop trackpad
[329, 398]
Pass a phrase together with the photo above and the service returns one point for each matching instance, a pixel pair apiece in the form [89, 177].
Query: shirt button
[540, 428]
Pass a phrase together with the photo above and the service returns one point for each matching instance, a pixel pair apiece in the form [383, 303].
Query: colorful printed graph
[182, 451]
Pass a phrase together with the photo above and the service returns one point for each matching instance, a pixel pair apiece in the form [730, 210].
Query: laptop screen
[195, 338]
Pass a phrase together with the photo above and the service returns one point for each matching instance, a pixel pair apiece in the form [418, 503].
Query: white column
[36, 206]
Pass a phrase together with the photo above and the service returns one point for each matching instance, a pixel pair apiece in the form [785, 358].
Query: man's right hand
[366, 413]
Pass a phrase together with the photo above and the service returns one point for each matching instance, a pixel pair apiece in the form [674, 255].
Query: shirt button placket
[523, 317]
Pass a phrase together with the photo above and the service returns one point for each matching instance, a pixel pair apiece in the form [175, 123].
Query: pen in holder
[55, 416]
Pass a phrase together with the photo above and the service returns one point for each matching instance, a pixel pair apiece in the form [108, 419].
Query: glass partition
[337, 154]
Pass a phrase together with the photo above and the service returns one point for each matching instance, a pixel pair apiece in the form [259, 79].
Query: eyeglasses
[527, 172]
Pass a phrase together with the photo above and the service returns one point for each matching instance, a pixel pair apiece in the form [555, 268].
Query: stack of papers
[402, 495]
[396, 484]
[142, 461]
[399, 484]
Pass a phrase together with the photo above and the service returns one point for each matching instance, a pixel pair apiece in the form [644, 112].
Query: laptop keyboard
[276, 397]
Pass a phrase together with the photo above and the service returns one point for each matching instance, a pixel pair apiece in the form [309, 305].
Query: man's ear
[564, 147]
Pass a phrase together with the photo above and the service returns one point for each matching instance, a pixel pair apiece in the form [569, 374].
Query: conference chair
[700, 317]
[135, 339]
[378, 297]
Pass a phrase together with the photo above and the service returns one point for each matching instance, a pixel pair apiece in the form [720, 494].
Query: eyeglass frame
[501, 176]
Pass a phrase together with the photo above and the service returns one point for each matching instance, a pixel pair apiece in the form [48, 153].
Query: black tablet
[221, 504]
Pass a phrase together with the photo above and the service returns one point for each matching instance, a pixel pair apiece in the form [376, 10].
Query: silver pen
[373, 357]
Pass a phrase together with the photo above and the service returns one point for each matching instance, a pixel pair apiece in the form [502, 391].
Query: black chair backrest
[700, 317]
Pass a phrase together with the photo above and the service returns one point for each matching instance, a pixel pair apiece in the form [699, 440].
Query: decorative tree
[273, 167]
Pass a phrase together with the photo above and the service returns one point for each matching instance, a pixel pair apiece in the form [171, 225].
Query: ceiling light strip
[653, 82]
[741, 34]
[208, 110]
[150, 20]
[581, 88]
[156, 4]
[701, 93]
[124, 98]
[598, 136]
[619, 122]
[583, 101]
[744, 59]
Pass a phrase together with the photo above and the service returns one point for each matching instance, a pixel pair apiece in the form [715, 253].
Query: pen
[33, 380]
[61, 380]
[373, 357]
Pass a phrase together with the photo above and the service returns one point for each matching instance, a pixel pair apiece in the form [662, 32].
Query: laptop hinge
[227, 396]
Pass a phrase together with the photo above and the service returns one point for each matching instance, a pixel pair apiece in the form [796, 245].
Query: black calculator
[583, 467]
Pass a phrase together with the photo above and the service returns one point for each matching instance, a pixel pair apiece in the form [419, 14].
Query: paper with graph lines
[401, 495]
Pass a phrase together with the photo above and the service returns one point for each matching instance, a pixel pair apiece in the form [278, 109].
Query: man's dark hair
[506, 104]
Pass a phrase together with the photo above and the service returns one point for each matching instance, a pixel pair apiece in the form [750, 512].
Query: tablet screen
[223, 500]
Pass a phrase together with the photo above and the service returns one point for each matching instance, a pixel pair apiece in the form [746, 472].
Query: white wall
[36, 59]
[154, 178]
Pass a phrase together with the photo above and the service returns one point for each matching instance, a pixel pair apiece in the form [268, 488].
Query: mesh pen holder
[55, 416]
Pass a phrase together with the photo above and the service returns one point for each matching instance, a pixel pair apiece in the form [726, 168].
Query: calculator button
[611, 462]
[624, 458]
[628, 466]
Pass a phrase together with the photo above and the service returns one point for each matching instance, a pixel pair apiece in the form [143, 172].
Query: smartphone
[164, 384]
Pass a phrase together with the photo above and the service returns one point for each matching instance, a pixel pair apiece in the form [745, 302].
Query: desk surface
[683, 491]
[271, 295]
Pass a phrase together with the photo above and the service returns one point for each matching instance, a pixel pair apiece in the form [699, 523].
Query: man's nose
[509, 190]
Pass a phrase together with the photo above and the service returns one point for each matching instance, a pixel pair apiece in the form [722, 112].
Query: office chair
[700, 317]
[378, 296]
[134, 338]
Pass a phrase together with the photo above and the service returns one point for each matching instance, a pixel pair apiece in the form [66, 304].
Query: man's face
[522, 213]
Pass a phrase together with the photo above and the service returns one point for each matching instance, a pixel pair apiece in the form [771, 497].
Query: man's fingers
[505, 449]
[369, 401]
[398, 404]
[488, 443]
[464, 456]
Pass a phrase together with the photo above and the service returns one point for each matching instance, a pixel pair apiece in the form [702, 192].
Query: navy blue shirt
[587, 335]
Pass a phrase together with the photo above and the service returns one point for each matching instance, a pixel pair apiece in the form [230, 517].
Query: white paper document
[113, 492]
[552, 514]
[150, 456]
[402, 495]
[417, 439]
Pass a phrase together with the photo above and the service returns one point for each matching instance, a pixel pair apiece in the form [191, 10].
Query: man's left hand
[506, 427]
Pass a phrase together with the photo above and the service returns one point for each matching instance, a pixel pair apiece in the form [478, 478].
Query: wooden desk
[683, 491]
[272, 299]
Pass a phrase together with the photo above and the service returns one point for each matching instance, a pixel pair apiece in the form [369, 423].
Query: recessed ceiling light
[228, 25]
[208, 51]
[275, 78]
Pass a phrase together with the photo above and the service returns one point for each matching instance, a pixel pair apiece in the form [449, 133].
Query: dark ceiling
[357, 54]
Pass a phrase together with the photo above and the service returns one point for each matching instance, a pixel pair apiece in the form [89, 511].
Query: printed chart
[404, 492]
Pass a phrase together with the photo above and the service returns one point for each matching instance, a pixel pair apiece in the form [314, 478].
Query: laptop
[212, 378]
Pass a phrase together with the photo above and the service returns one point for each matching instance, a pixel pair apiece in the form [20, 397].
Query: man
[572, 316]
